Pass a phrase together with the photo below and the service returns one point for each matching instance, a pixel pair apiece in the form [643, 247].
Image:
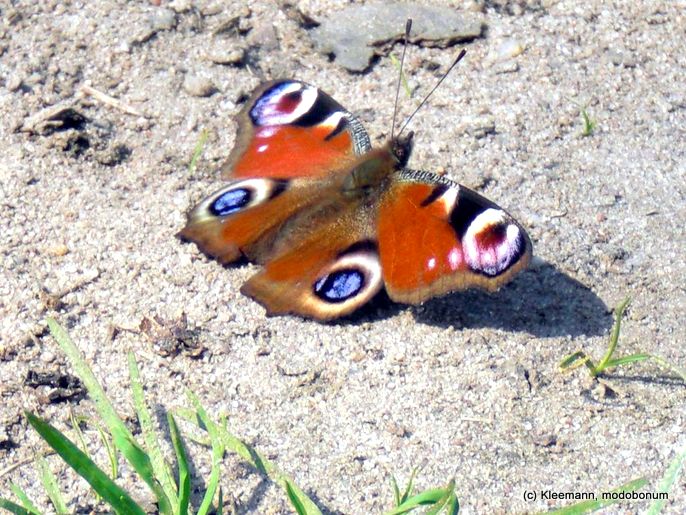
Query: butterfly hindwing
[327, 274]
[436, 236]
[291, 129]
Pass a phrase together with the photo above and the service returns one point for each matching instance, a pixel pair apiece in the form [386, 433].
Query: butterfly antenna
[408, 26]
[457, 60]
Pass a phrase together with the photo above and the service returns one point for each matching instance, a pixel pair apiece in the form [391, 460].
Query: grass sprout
[403, 78]
[580, 358]
[198, 150]
[441, 500]
[589, 124]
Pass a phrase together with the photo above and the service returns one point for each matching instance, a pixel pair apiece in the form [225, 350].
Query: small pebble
[506, 67]
[264, 35]
[14, 82]
[163, 19]
[47, 357]
[221, 55]
[57, 250]
[198, 86]
[509, 48]
[181, 6]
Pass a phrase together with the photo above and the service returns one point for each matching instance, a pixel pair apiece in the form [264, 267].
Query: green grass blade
[403, 77]
[454, 505]
[396, 491]
[95, 391]
[15, 508]
[589, 506]
[27, 504]
[117, 498]
[159, 467]
[295, 499]
[444, 501]
[410, 486]
[123, 439]
[76, 429]
[614, 337]
[421, 499]
[184, 483]
[198, 150]
[49, 482]
[589, 124]
[255, 459]
[140, 461]
[632, 358]
[217, 455]
[264, 466]
[111, 452]
[668, 481]
[575, 360]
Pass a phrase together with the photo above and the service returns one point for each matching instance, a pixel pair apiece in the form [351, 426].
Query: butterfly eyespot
[492, 243]
[339, 286]
[348, 282]
[238, 196]
[284, 103]
[231, 201]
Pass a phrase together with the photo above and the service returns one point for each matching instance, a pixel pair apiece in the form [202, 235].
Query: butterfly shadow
[542, 301]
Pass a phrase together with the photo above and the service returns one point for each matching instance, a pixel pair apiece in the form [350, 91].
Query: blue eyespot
[231, 201]
[340, 285]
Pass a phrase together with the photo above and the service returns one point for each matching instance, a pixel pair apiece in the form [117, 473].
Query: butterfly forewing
[436, 236]
[292, 129]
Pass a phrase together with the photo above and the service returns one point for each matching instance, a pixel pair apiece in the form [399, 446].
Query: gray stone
[163, 19]
[221, 54]
[355, 34]
[198, 86]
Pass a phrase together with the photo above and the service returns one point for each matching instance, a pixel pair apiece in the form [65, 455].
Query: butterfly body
[333, 220]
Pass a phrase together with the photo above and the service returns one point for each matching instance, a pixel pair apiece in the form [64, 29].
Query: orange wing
[436, 236]
[291, 129]
[327, 275]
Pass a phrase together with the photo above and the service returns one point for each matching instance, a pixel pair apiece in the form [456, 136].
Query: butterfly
[334, 220]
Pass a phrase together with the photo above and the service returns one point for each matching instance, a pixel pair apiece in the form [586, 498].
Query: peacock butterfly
[334, 220]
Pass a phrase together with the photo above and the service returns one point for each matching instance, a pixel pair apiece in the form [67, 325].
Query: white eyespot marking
[283, 104]
[431, 263]
[492, 243]
[262, 148]
[237, 196]
[346, 284]
[266, 132]
[454, 258]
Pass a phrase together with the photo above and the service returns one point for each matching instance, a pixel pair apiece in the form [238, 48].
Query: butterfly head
[401, 148]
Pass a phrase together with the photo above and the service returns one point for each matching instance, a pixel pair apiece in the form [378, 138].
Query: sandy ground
[465, 386]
